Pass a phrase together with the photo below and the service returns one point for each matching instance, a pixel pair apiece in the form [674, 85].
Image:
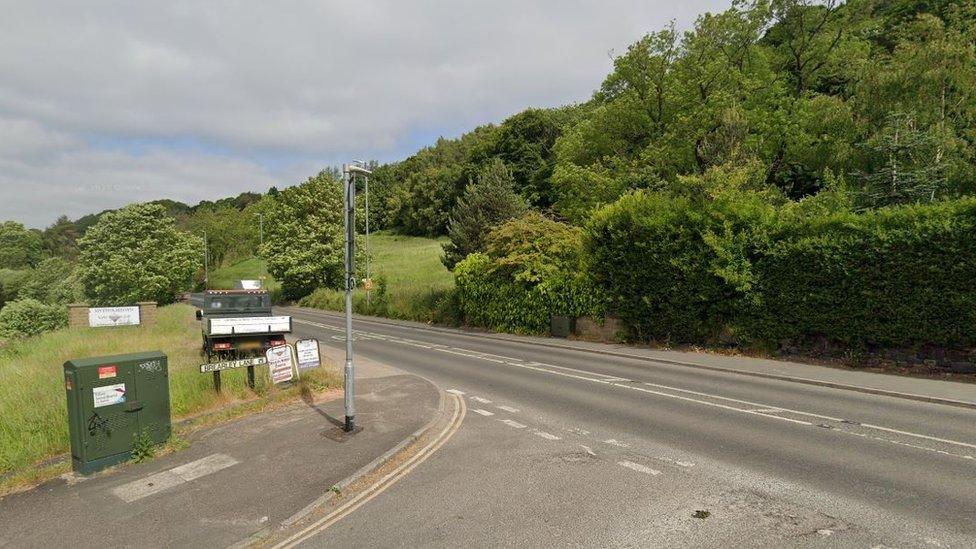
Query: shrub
[530, 271]
[28, 317]
[894, 277]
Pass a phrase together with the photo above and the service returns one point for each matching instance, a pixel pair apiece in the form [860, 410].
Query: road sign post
[349, 184]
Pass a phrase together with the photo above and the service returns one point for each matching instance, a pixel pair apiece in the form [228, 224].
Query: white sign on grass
[279, 363]
[113, 316]
[308, 354]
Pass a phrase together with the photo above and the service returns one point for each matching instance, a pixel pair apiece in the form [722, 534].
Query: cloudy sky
[107, 103]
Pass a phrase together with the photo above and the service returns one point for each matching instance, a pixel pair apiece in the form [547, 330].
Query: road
[563, 446]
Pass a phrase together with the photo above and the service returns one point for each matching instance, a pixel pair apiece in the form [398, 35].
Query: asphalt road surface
[567, 447]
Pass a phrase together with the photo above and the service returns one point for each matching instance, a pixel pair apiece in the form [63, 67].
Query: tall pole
[206, 262]
[350, 248]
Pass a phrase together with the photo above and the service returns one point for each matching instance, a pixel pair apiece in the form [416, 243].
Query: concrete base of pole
[350, 425]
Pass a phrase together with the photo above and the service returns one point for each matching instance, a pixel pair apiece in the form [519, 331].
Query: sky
[104, 104]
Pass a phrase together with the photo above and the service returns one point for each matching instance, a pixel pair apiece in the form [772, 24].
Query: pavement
[573, 446]
[236, 481]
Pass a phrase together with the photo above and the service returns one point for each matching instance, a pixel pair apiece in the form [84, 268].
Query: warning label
[105, 372]
[109, 395]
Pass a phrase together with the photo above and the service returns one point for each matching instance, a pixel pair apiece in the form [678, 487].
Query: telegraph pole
[349, 195]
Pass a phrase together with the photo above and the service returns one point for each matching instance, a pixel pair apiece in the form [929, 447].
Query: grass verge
[253, 268]
[33, 404]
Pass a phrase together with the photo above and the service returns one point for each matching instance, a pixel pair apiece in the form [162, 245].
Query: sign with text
[280, 363]
[308, 354]
[232, 364]
[113, 316]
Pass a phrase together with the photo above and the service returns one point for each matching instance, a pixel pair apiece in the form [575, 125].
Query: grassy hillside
[32, 399]
[249, 269]
[417, 286]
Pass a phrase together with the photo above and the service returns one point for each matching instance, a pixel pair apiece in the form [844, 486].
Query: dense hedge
[531, 269]
[692, 270]
[28, 317]
[894, 277]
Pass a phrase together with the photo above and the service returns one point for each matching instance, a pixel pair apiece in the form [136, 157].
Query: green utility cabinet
[111, 401]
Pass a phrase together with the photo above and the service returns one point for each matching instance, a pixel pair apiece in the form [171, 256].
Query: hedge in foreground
[29, 317]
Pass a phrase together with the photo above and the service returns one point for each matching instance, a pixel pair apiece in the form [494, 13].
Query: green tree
[61, 238]
[20, 247]
[486, 203]
[137, 254]
[303, 236]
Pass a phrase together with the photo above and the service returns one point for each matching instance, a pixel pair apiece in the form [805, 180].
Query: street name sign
[280, 363]
[99, 317]
[233, 364]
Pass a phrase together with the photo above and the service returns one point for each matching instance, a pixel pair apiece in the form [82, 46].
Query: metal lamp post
[349, 185]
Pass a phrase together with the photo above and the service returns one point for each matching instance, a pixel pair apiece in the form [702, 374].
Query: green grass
[417, 285]
[34, 421]
[254, 268]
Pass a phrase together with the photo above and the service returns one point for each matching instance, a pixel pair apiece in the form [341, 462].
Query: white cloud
[316, 80]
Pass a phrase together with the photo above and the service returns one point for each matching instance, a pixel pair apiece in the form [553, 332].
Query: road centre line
[547, 436]
[511, 423]
[753, 410]
[639, 468]
[481, 400]
[483, 412]
[509, 409]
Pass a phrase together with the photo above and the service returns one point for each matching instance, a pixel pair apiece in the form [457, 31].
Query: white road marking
[511, 423]
[483, 412]
[613, 442]
[455, 391]
[509, 409]
[685, 463]
[481, 400]
[588, 450]
[165, 480]
[547, 436]
[757, 409]
[639, 468]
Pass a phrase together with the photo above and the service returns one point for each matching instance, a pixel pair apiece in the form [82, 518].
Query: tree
[20, 248]
[486, 203]
[137, 254]
[61, 238]
[303, 236]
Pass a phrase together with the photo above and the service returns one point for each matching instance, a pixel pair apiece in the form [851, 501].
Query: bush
[530, 271]
[28, 317]
[894, 277]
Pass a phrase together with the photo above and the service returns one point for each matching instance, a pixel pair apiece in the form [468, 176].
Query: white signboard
[279, 363]
[250, 325]
[108, 395]
[308, 354]
[233, 364]
[250, 284]
[113, 316]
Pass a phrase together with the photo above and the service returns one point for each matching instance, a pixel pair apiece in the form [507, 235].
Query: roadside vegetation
[411, 282]
[32, 401]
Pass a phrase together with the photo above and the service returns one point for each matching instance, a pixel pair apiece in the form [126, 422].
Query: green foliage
[303, 237]
[486, 203]
[530, 271]
[29, 317]
[894, 277]
[137, 254]
[61, 238]
[20, 248]
[55, 281]
[143, 447]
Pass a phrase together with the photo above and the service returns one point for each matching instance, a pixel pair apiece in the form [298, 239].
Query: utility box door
[111, 400]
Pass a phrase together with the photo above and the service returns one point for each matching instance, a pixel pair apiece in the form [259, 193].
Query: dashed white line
[639, 468]
[455, 391]
[481, 400]
[509, 409]
[483, 412]
[511, 423]
[588, 450]
[614, 442]
[547, 436]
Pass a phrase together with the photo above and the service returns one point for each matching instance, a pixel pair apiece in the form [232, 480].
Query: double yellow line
[460, 409]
